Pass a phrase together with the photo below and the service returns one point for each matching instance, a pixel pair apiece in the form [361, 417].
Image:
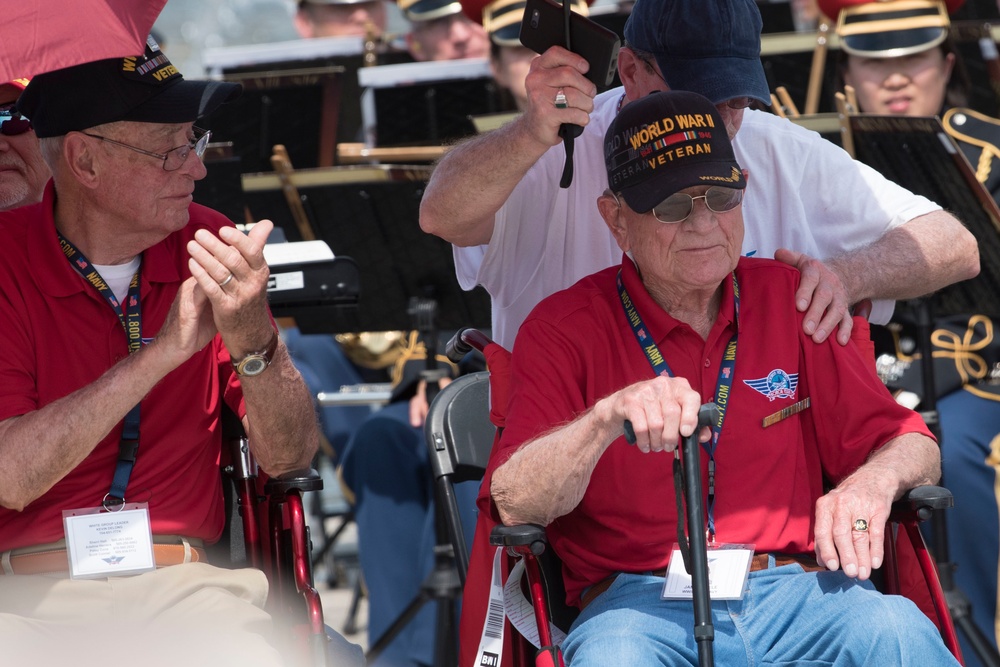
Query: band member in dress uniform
[440, 31]
[341, 18]
[509, 59]
[900, 59]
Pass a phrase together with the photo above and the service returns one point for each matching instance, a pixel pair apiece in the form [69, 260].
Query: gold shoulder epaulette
[972, 127]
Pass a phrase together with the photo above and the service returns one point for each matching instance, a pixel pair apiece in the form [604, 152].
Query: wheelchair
[266, 529]
[465, 441]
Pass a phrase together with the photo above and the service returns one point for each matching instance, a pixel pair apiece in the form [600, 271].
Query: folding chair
[459, 437]
[914, 575]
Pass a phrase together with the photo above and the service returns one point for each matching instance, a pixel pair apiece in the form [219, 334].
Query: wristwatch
[256, 363]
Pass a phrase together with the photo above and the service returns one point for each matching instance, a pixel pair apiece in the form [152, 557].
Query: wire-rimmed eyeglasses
[12, 123]
[678, 206]
[173, 159]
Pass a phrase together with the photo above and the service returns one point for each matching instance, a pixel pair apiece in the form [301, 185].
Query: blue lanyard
[727, 372]
[131, 320]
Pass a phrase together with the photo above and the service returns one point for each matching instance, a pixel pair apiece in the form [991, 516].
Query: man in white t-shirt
[497, 198]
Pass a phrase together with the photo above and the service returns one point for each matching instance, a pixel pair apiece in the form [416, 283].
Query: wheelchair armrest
[304, 479]
[525, 537]
[920, 502]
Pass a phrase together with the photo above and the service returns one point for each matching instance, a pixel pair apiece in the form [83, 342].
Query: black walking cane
[694, 546]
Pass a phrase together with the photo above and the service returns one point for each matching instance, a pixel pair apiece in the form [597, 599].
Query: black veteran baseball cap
[665, 142]
[145, 88]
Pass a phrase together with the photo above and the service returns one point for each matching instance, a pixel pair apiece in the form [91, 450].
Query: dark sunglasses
[677, 207]
[12, 123]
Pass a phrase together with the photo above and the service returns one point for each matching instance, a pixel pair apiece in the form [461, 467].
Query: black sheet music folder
[917, 154]
[426, 103]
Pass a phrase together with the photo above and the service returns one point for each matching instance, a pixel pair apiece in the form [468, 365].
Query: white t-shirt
[804, 193]
[119, 276]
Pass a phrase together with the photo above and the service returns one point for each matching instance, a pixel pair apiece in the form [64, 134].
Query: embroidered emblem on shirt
[777, 384]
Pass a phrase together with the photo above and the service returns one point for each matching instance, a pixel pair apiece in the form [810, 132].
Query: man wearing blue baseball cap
[131, 316]
[522, 237]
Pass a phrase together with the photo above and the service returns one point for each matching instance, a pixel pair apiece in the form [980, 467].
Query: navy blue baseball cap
[708, 47]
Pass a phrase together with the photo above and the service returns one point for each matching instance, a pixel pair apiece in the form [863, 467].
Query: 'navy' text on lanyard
[131, 319]
[727, 372]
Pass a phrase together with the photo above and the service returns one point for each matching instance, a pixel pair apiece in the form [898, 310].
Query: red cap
[15, 86]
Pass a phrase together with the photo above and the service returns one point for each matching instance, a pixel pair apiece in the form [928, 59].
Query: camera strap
[568, 131]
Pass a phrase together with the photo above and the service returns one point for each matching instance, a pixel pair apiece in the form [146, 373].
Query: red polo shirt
[577, 347]
[59, 335]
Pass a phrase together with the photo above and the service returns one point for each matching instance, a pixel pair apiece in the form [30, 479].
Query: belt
[56, 560]
[758, 562]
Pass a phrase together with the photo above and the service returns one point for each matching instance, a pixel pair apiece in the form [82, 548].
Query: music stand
[303, 94]
[919, 155]
[298, 109]
[371, 214]
[426, 103]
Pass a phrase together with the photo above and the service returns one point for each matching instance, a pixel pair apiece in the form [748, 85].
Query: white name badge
[109, 544]
[728, 567]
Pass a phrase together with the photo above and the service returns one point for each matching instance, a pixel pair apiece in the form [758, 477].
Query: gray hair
[51, 150]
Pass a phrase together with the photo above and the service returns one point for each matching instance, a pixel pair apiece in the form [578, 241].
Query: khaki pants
[189, 614]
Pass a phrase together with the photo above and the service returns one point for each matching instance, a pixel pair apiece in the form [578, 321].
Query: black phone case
[543, 27]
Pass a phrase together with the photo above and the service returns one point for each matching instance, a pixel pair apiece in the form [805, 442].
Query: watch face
[254, 365]
[257, 362]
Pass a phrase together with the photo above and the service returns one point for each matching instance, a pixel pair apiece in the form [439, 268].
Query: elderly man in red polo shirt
[130, 316]
[684, 320]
